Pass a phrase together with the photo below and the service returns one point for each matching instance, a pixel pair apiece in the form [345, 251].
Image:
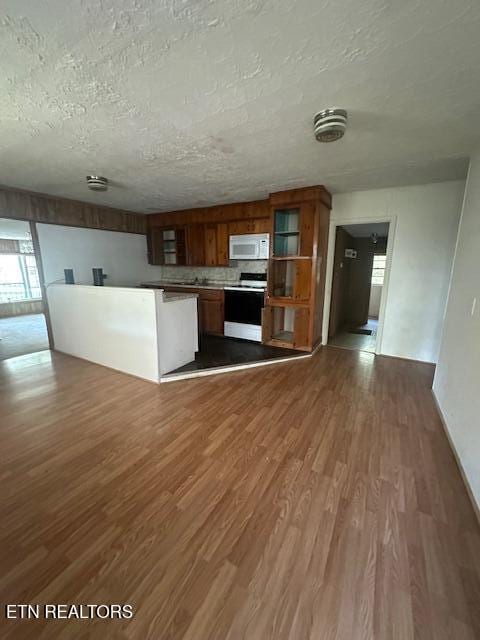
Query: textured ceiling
[195, 102]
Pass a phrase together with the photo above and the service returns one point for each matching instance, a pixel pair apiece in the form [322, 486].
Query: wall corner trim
[475, 505]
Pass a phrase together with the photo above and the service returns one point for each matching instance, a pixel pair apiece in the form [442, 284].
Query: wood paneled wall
[20, 308]
[35, 207]
[255, 209]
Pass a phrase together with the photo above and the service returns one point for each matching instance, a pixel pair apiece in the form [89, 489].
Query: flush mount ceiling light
[330, 124]
[97, 183]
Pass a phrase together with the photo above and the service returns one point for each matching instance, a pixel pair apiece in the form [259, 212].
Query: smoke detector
[330, 124]
[97, 183]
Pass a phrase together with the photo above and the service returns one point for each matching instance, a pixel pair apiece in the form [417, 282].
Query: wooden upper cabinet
[208, 244]
[240, 227]
[207, 230]
[198, 244]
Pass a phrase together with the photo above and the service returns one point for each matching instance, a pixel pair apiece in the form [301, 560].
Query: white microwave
[253, 246]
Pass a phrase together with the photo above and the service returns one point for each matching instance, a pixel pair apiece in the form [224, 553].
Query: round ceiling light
[97, 183]
[330, 124]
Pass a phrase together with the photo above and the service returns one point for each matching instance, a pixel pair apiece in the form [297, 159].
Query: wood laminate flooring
[316, 499]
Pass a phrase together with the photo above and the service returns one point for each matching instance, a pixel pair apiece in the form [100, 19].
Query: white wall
[374, 302]
[138, 331]
[112, 326]
[123, 256]
[425, 231]
[457, 377]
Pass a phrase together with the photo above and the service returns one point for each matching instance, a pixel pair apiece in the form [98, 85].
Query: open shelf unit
[168, 246]
[296, 276]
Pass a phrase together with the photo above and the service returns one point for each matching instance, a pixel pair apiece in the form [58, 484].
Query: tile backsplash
[212, 274]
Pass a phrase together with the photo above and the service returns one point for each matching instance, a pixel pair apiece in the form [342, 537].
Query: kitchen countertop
[171, 296]
[162, 283]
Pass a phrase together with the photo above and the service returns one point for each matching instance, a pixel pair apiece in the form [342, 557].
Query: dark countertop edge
[159, 285]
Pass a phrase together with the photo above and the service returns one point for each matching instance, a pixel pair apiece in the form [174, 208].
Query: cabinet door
[196, 245]
[155, 245]
[307, 228]
[216, 244]
[211, 245]
[211, 316]
[222, 244]
[301, 339]
[239, 227]
[303, 280]
[267, 326]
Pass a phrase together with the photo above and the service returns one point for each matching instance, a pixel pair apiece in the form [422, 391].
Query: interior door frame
[339, 222]
[41, 277]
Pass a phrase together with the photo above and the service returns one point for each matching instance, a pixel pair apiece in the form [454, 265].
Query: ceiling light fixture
[330, 124]
[97, 183]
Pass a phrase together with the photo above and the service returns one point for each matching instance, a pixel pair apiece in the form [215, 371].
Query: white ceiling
[191, 102]
[366, 230]
[14, 229]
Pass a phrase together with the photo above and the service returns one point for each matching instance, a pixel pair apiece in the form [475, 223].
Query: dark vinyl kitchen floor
[216, 351]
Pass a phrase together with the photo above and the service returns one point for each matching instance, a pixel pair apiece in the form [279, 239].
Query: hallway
[359, 341]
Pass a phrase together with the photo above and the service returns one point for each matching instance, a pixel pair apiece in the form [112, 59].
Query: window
[18, 278]
[378, 271]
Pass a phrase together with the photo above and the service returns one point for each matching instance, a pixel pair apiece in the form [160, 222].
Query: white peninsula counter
[144, 332]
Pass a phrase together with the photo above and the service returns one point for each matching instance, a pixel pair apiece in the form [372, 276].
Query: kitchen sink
[193, 283]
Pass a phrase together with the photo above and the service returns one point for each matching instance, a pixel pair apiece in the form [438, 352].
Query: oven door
[244, 307]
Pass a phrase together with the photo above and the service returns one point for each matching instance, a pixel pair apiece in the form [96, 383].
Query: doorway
[359, 268]
[23, 327]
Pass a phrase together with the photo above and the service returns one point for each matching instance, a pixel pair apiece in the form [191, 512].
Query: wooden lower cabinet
[211, 304]
[210, 316]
